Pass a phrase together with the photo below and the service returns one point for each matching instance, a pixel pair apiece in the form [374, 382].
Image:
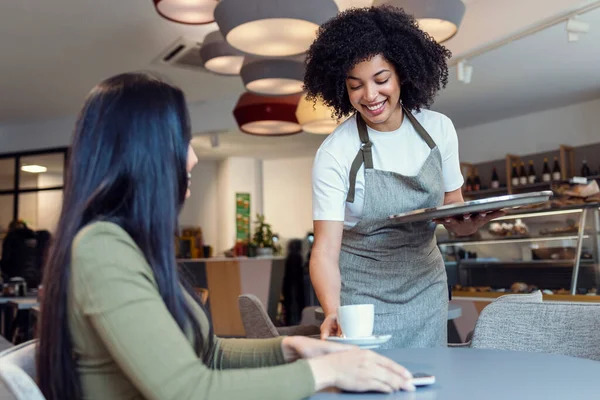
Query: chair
[533, 297]
[202, 293]
[562, 328]
[258, 324]
[17, 371]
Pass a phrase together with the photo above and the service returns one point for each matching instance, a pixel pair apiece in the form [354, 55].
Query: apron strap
[364, 155]
[419, 128]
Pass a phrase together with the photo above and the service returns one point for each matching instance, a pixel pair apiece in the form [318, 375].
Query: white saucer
[367, 342]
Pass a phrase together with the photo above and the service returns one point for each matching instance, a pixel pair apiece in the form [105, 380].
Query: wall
[575, 125]
[236, 175]
[287, 192]
[200, 208]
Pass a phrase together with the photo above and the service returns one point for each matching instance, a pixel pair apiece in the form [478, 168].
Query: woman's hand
[468, 224]
[330, 327]
[360, 371]
[296, 347]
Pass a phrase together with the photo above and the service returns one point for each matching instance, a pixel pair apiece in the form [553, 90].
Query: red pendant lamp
[189, 12]
[267, 116]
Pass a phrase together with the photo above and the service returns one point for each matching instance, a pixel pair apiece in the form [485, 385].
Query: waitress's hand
[468, 224]
[296, 347]
[330, 327]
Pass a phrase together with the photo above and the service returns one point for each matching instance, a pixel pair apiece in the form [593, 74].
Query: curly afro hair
[358, 34]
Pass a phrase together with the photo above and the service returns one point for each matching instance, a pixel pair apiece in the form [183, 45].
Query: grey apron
[397, 267]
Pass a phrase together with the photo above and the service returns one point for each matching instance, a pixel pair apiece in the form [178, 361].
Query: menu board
[242, 217]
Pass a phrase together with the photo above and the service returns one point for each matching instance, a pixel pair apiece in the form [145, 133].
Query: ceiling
[538, 72]
[55, 51]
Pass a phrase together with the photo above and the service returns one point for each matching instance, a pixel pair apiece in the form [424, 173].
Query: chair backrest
[257, 323]
[562, 328]
[17, 371]
[533, 297]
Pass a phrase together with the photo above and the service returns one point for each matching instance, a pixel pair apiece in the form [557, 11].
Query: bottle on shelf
[585, 169]
[476, 180]
[514, 175]
[531, 176]
[495, 180]
[522, 174]
[469, 184]
[546, 175]
[556, 175]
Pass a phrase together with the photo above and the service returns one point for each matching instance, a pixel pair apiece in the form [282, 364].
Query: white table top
[6, 299]
[476, 374]
[23, 303]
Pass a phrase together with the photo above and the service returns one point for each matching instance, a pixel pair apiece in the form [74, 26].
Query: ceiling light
[267, 116]
[214, 141]
[464, 71]
[190, 12]
[272, 27]
[219, 57]
[273, 76]
[439, 18]
[316, 117]
[34, 169]
[575, 27]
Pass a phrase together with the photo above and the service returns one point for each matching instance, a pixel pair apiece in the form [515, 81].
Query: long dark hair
[127, 165]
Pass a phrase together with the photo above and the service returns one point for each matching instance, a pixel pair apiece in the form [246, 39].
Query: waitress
[391, 156]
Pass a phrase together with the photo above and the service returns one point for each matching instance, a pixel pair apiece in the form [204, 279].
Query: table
[17, 304]
[454, 311]
[5, 305]
[469, 374]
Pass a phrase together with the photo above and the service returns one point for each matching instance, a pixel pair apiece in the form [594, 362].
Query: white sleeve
[453, 178]
[330, 186]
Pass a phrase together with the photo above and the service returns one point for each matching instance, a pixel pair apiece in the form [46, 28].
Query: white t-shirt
[402, 151]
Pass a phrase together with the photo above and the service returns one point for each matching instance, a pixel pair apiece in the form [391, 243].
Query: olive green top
[128, 346]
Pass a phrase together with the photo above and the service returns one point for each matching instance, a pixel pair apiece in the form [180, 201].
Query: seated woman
[117, 320]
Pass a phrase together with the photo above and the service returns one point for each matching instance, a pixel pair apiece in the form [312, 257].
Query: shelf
[490, 296]
[508, 240]
[486, 192]
[542, 211]
[525, 264]
[533, 186]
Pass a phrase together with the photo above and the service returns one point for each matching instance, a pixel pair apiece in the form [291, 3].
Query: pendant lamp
[189, 12]
[276, 28]
[439, 18]
[219, 57]
[267, 115]
[316, 117]
[273, 76]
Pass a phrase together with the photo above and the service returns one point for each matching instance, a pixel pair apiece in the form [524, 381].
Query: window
[31, 188]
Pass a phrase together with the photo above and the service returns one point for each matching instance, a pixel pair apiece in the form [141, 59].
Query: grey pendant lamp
[273, 76]
[440, 18]
[274, 28]
[219, 57]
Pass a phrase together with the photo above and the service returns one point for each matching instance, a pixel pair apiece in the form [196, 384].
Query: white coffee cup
[356, 320]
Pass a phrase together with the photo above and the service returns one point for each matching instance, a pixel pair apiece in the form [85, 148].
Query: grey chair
[534, 297]
[257, 323]
[562, 328]
[17, 371]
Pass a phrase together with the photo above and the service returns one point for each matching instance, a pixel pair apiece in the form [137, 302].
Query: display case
[555, 250]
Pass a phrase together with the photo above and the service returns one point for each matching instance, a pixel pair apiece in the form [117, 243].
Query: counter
[227, 278]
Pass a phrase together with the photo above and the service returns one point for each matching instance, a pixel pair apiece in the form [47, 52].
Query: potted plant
[262, 239]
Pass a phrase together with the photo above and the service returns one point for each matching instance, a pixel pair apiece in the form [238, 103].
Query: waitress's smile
[375, 109]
